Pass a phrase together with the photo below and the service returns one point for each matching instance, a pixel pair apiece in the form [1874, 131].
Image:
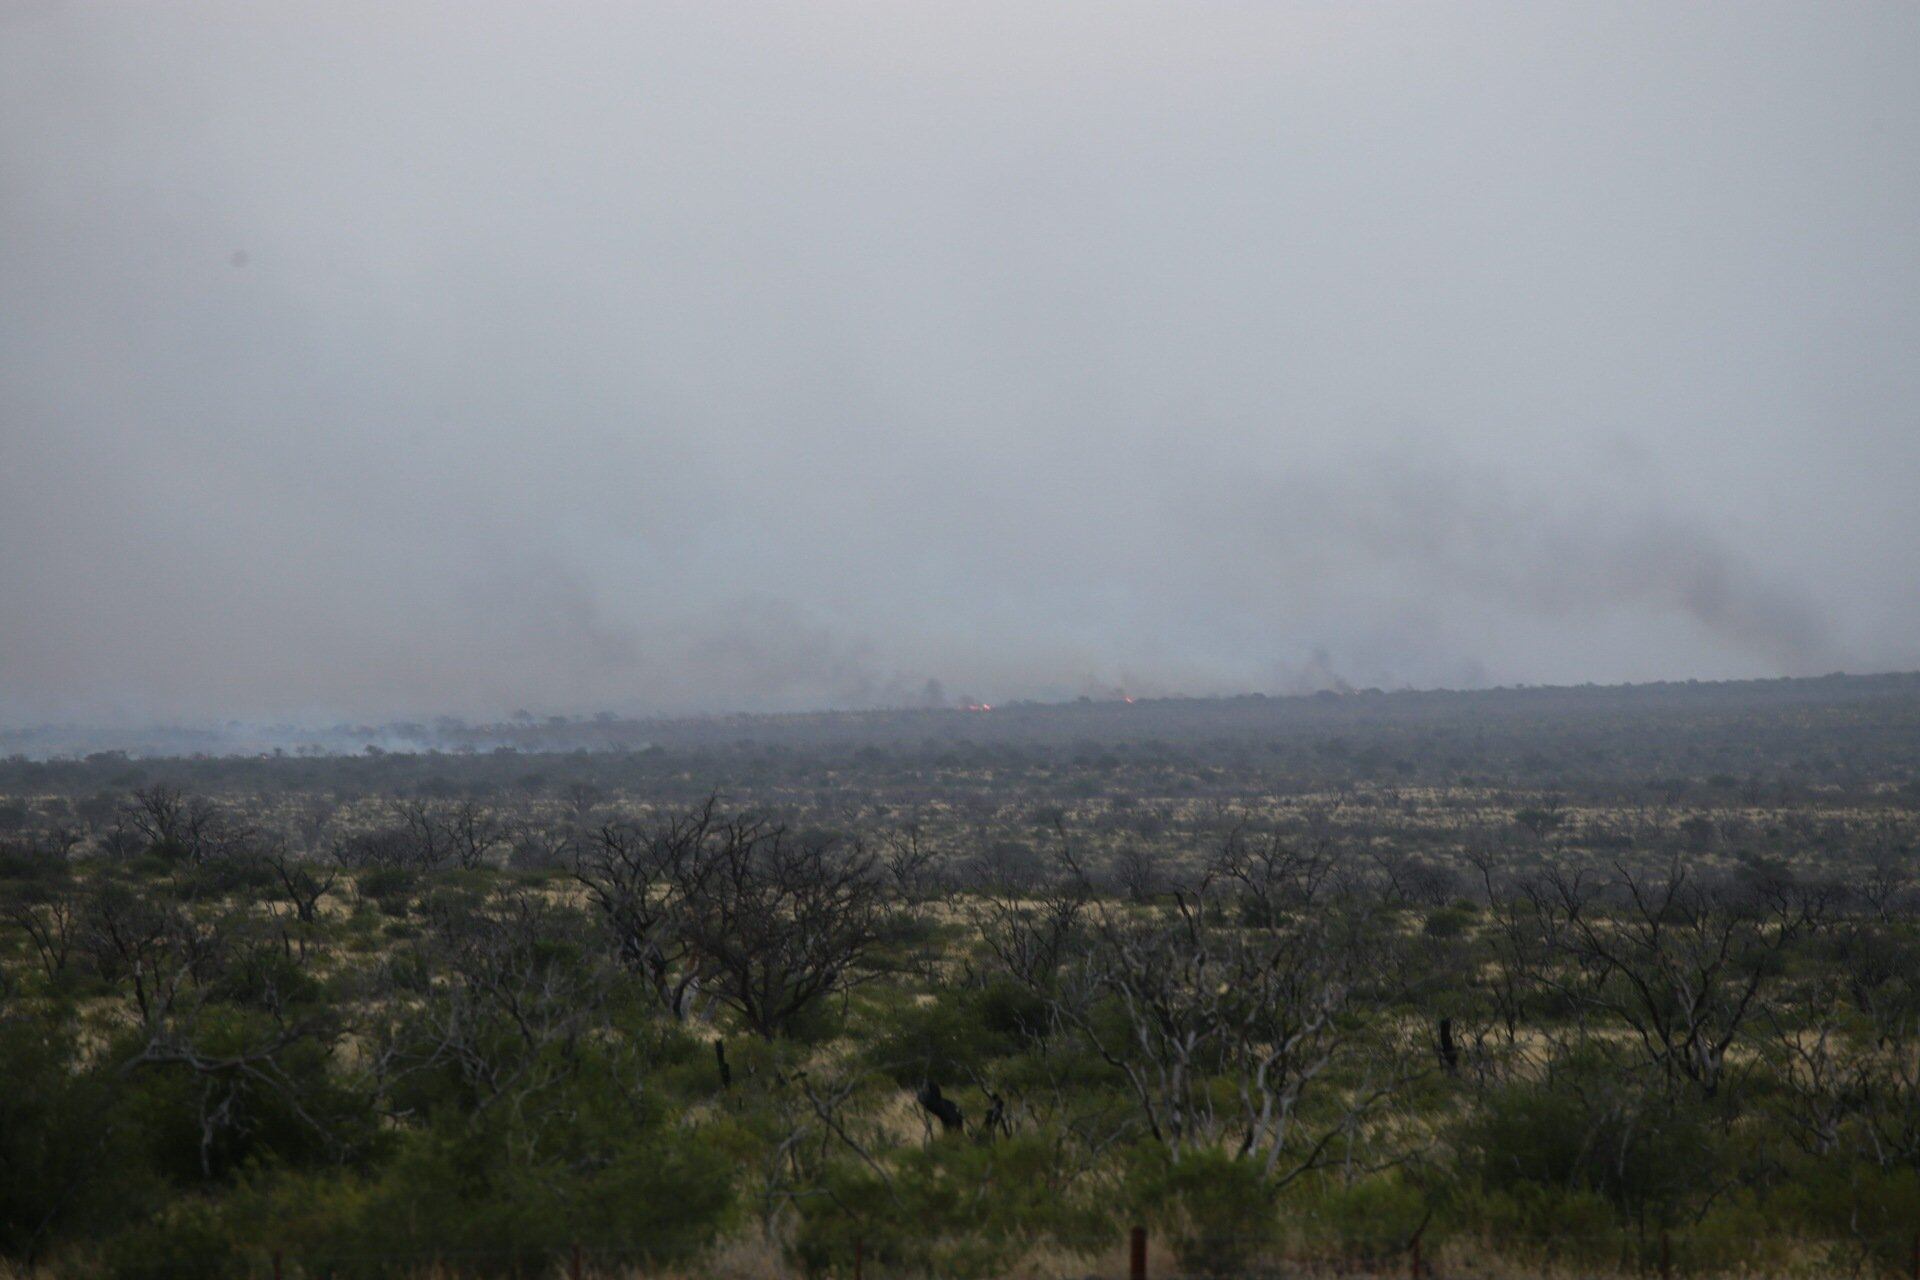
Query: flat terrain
[1505, 980]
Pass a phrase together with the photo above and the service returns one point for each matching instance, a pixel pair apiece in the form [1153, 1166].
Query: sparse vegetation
[1533, 988]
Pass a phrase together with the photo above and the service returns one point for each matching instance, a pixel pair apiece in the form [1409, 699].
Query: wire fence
[1134, 1255]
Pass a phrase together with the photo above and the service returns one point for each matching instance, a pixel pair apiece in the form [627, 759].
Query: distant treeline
[1847, 731]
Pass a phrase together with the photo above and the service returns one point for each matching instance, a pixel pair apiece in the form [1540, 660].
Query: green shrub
[199, 1128]
[1218, 1212]
[1651, 1155]
[486, 1199]
[948, 1040]
[1375, 1216]
[68, 1164]
[389, 888]
[189, 1237]
[956, 1207]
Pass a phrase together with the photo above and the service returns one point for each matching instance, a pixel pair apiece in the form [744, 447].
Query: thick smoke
[1438, 533]
[390, 360]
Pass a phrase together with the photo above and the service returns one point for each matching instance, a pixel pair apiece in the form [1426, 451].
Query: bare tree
[416, 835]
[1138, 873]
[639, 878]
[170, 965]
[496, 1002]
[774, 922]
[1222, 1029]
[536, 845]
[387, 847]
[51, 920]
[1269, 877]
[910, 862]
[469, 834]
[159, 813]
[303, 881]
[1879, 959]
[782, 922]
[191, 827]
[1681, 962]
[1032, 934]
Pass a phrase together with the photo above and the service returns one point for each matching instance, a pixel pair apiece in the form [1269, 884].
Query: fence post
[1666, 1255]
[1913, 1260]
[573, 1266]
[1137, 1254]
[276, 1264]
[1416, 1267]
[859, 1256]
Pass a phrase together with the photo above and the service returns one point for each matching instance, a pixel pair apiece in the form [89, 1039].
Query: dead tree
[638, 878]
[51, 921]
[780, 922]
[192, 828]
[1270, 878]
[469, 833]
[302, 881]
[1222, 1029]
[1032, 934]
[496, 1001]
[159, 814]
[1682, 963]
[1138, 873]
[178, 972]
[764, 922]
[910, 862]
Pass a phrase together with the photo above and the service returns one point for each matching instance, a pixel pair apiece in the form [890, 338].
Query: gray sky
[395, 358]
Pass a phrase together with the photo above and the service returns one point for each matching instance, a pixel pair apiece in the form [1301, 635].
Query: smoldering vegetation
[1558, 726]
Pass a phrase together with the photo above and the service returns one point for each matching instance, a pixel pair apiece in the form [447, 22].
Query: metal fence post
[859, 1256]
[1137, 1254]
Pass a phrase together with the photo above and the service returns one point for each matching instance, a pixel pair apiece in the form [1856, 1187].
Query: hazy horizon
[376, 362]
